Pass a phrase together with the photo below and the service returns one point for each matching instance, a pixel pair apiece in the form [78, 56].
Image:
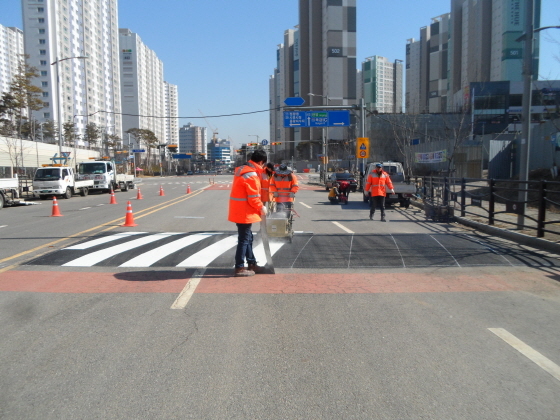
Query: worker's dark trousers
[377, 201]
[244, 245]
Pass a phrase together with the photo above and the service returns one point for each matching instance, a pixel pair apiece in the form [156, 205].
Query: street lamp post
[59, 98]
[325, 131]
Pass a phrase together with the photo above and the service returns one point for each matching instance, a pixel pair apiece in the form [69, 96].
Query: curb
[520, 238]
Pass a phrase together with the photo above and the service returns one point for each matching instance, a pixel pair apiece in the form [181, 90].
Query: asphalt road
[362, 320]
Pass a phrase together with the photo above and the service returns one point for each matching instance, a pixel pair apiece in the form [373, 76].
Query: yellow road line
[50, 244]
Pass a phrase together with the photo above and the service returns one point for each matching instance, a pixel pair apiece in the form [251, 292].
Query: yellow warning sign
[362, 147]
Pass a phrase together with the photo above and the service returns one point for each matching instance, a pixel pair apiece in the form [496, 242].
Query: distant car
[189, 172]
[340, 176]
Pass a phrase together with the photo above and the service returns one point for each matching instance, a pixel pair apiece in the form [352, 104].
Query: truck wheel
[84, 191]
[124, 187]
[68, 193]
[131, 186]
[1, 201]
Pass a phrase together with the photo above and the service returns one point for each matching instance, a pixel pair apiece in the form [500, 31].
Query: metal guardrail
[497, 201]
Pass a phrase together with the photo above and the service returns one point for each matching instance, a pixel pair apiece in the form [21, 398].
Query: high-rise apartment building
[382, 84]
[475, 43]
[143, 91]
[172, 113]
[11, 53]
[192, 139]
[317, 62]
[59, 31]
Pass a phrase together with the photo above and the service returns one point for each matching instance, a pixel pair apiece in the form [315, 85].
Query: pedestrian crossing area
[306, 251]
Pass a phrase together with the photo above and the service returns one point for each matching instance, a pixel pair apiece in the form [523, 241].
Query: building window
[41, 20]
[44, 84]
[43, 73]
[43, 63]
[46, 115]
[40, 9]
[41, 31]
[45, 94]
[45, 104]
[42, 41]
[43, 52]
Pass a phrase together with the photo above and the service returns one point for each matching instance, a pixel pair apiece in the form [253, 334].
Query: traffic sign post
[264, 142]
[362, 147]
[294, 101]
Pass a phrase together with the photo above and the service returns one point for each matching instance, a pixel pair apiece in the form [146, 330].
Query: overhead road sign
[316, 118]
[182, 156]
[294, 101]
[138, 150]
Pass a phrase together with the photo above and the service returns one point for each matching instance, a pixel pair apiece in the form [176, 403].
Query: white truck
[404, 190]
[104, 175]
[58, 180]
[9, 191]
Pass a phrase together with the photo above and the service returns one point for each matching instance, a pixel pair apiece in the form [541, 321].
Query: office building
[58, 31]
[193, 139]
[11, 53]
[143, 89]
[219, 152]
[172, 113]
[382, 84]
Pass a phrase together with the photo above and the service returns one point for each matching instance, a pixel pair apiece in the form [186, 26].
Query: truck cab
[55, 180]
[104, 175]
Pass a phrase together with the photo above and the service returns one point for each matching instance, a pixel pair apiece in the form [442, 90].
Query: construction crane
[214, 130]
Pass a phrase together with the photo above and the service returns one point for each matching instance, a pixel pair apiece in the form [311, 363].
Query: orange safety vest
[245, 198]
[376, 183]
[283, 188]
[265, 187]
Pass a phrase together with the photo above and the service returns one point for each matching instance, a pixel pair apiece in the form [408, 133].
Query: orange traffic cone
[161, 193]
[188, 188]
[55, 210]
[129, 219]
[113, 199]
[139, 195]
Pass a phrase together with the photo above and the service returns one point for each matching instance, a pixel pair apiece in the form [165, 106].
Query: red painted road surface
[285, 283]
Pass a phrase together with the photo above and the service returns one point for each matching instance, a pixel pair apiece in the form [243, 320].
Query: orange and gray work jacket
[283, 188]
[265, 186]
[376, 183]
[245, 198]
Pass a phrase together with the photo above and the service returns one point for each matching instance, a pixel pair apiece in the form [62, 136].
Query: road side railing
[496, 202]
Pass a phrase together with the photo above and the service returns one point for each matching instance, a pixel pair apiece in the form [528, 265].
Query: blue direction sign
[182, 156]
[316, 118]
[138, 151]
[294, 101]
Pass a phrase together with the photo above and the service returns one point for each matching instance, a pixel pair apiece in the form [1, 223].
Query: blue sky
[221, 53]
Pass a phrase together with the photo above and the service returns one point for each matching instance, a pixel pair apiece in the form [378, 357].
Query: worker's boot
[243, 272]
[371, 213]
[255, 268]
[383, 218]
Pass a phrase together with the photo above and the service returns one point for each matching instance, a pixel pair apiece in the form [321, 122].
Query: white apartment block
[382, 84]
[143, 91]
[11, 50]
[172, 113]
[58, 31]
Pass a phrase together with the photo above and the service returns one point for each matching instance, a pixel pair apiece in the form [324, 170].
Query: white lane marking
[527, 351]
[103, 240]
[3, 226]
[350, 252]
[303, 204]
[398, 249]
[343, 227]
[148, 258]
[210, 253]
[85, 208]
[99, 205]
[188, 290]
[96, 257]
[440, 244]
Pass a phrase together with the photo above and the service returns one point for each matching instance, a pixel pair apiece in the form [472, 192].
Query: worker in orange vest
[375, 188]
[283, 186]
[265, 186]
[246, 208]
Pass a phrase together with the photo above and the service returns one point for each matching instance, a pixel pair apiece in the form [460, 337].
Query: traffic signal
[276, 143]
[252, 144]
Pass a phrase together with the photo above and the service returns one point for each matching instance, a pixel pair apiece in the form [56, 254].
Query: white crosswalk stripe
[103, 240]
[151, 257]
[98, 256]
[210, 253]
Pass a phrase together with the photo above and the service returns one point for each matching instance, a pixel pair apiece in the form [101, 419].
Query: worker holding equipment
[246, 208]
[375, 188]
[283, 186]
